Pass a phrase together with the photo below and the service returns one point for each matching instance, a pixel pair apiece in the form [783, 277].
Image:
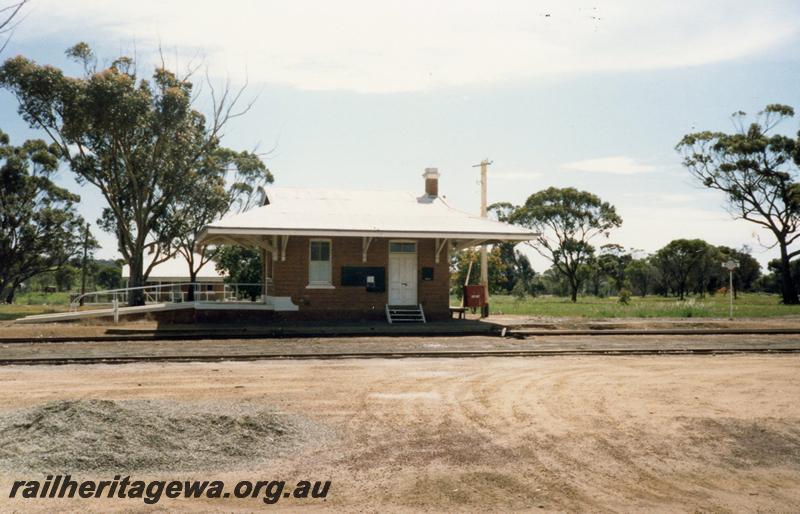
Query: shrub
[519, 292]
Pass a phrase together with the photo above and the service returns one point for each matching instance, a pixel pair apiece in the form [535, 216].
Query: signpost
[731, 265]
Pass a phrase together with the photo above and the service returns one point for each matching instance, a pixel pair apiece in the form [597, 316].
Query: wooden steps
[405, 314]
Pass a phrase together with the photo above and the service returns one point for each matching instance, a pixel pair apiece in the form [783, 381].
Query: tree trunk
[136, 297]
[192, 279]
[11, 292]
[788, 291]
[573, 291]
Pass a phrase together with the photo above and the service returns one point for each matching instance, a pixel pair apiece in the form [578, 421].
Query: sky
[366, 94]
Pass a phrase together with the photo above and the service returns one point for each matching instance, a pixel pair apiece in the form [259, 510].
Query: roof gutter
[209, 232]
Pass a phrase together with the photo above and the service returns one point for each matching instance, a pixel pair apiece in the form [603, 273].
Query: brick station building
[343, 254]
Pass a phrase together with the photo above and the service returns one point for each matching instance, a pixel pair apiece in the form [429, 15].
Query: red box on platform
[474, 296]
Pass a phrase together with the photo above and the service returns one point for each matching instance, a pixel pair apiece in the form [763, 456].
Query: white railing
[170, 293]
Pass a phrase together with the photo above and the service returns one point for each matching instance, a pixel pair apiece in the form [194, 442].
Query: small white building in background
[176, 271]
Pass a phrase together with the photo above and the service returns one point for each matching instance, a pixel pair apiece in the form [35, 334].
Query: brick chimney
[431, 182]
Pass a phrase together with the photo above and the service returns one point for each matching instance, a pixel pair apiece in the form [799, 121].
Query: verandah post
[264, 274]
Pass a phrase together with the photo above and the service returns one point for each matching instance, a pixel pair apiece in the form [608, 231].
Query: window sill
[320, 286]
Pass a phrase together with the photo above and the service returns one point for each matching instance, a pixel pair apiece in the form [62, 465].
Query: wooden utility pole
[484, 164]
[83, 264]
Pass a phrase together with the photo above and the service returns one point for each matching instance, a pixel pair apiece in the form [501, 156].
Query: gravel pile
[142, 435]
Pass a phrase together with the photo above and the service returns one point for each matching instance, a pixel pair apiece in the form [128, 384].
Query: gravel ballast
[147, 435]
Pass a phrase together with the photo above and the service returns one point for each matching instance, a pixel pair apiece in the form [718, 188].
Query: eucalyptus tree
[641, 275]
[566, 220]
[40, 229]
[757, 170]
[517, 270]
[139, 142]
[8, 14]
[678, 261]
[466, 264]
[707, 270]
[226, 181]
[747, 272]
[613, 261]
[241, 265]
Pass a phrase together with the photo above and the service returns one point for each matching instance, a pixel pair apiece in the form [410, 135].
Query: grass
[750, 305]
[26, 304]
[42, 299]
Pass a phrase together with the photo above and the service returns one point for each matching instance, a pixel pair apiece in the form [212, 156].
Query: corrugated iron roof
[348, 212]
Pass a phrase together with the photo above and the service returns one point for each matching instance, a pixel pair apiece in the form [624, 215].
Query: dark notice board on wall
[357, 276]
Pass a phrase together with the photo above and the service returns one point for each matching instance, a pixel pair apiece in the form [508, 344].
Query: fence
[172, 293]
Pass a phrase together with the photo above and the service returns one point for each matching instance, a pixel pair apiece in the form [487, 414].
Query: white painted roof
[328, 212]
[176, 269]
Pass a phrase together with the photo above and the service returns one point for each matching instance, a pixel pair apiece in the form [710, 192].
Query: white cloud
[650, 228]
[618, 165]
[704, 198]
[417, 45]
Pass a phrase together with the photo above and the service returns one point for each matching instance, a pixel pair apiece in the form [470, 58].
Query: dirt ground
[668, 433]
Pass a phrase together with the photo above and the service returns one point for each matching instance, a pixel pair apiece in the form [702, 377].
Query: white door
[402, 273]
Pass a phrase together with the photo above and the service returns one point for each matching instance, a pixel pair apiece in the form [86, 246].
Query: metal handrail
[176, 290]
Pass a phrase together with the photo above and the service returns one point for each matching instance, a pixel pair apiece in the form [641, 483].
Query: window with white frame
[319, 264]
[402, 247]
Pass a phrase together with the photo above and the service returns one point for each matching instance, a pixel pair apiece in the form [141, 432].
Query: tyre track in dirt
[616, 456]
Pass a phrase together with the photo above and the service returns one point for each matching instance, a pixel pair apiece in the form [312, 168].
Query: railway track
[518, 333]
[391, 355]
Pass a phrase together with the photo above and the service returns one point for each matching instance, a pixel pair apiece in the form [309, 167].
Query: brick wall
[290, 278]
